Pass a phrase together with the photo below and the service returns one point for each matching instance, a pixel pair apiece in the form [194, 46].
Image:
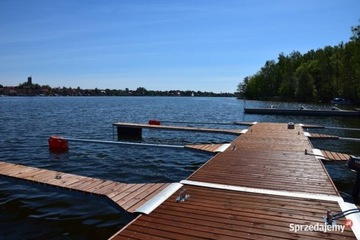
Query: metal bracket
[330, 219]
[183, 196]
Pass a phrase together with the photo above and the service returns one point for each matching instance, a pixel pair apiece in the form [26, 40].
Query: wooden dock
[216, 148]
[303, 112]
[178, 128]
[335, 156]
[321, 136]
[213, 148]
[258, 188]
[126, 196]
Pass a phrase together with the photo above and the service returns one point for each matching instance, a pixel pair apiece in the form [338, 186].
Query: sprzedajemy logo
[319, 227]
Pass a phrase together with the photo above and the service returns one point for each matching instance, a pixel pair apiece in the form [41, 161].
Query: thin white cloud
[153, 41]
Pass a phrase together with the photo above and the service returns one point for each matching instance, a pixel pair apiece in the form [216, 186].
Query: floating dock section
[125, 196]
[335, 156]
[303, 112]
[134, 130]
[214, 148]
[261, 187]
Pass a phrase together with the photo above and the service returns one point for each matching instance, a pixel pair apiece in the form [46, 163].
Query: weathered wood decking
[214, 148]
[126, 196]
[335, 156]
[321, 136]
[256, 189]
[223, 214]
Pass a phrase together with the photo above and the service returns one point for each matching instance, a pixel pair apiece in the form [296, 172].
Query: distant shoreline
[29, 89]
[173, 96]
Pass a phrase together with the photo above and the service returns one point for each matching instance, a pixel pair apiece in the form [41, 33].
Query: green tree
[304, 84]
[141, 91]
[315, 76]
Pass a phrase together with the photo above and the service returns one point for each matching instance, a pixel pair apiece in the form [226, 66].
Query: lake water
[31, 212]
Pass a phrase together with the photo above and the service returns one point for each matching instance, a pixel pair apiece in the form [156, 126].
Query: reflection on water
[29, 212]
[26, 123]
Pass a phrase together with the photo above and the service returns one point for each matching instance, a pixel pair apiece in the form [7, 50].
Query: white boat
[340, 101]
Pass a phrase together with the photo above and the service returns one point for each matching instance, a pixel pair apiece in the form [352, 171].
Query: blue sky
[203, 45]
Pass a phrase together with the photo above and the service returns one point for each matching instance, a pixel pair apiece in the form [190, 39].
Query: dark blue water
[32, 212]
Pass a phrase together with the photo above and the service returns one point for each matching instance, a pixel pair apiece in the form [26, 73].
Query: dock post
[356, 190]
[129, 133]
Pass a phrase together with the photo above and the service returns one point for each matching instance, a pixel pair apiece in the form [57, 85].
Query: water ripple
[26, 123]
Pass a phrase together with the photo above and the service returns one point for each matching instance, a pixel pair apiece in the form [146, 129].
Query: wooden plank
[91, 187]
[48, 177]
[222, 214]
[8, 167]
[130, 198]
[33, 175]
[268, 156]
[270, 166]
[86, 187]
[122, 190]
[312, 126]
[129, 195]
[204, 147]
[138, 195]
[18, 172]
[146, 196]
[335, 156]
[322, 136]
[77, 185]
[142, 196]
[68, 179]
[111, 187]
[137, 234]
[101, 185]
[13, 169]
[344, 157]
[132, 190]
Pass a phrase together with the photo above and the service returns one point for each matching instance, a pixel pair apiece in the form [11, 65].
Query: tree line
[26, 89]
[316, 76]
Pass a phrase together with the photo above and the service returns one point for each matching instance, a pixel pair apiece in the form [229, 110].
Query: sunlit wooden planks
[206, 147]
[126, 196]
[312, 126]
[223, 214]
[335, 156]
[269, 156]
[138, 198]
[322, 136]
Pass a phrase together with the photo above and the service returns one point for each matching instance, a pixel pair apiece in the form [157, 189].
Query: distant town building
[29, 81]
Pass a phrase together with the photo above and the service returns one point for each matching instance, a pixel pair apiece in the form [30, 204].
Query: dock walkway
[260, 187]
[335, 156]
[126, 196]
[178, 128]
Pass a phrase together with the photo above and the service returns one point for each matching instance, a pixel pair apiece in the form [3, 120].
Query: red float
[154, 122]
[58, 144]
